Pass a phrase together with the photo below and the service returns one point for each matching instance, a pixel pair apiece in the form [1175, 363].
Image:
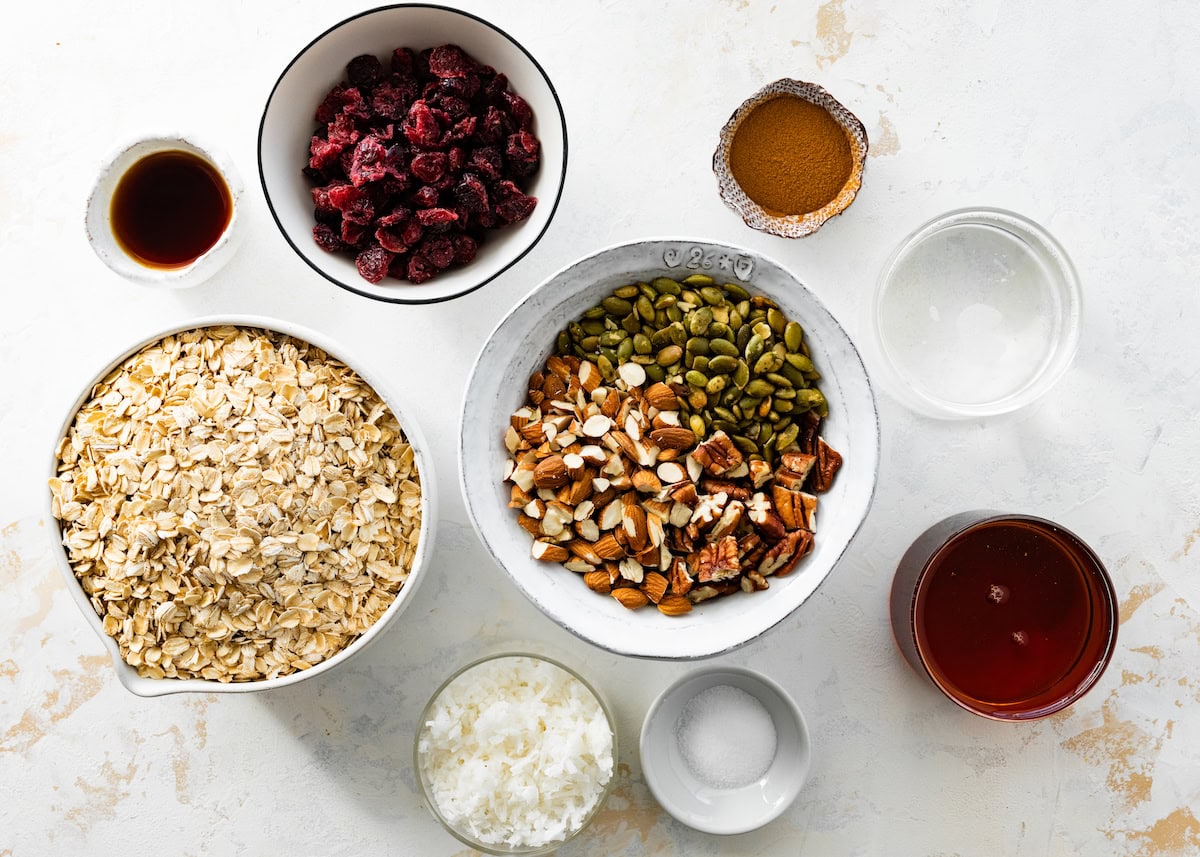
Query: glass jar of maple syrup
[165, 211]
[1011, 616]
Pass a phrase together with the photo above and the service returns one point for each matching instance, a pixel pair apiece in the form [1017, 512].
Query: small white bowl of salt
[725, 750]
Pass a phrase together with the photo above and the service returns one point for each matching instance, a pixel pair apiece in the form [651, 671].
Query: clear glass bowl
[462, 835]
[977, 313]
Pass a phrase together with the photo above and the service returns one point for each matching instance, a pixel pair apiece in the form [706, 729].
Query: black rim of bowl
[412, 300]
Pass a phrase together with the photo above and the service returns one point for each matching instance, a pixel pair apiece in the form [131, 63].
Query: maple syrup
[1013, 617]
[170, 208]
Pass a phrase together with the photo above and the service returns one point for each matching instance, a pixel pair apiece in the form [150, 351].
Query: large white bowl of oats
[238, 508]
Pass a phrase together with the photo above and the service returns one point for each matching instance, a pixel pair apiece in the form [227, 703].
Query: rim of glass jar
[466, 838]
[1067, 280]
[1108, 595]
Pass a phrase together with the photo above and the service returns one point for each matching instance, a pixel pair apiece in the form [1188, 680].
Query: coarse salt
[726, 737]
[516, 751]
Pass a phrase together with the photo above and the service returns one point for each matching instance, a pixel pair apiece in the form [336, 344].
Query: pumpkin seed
[754, 349]
[670, 354]
[666, 286]
[698, 280]
[722, 364]
[793, 335]
[776, 320]
[625, 350]
[699, 320]
[625, 292]
[617, 306]
[741, 375]
[725, 347]
[736, 292]
[760, 388]
[696, 379]
[716, 385]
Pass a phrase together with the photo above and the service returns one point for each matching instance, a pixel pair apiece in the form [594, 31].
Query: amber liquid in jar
[170, 208]
[1012, 617]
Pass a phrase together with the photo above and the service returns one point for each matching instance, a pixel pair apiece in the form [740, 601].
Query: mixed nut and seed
[669, 452]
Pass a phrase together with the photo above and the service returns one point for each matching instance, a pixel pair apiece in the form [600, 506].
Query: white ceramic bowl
[98, 220]
[729, 810]
[287, 126]
[519, 346]
[143, 686]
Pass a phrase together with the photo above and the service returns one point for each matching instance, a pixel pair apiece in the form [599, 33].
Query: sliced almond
[631, 598]
[671, 472]
[547, 552]
[597, 426]
[632, 374]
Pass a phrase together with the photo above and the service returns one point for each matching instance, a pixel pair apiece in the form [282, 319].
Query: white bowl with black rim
[287, 125]
[519, 346]
[150, 687]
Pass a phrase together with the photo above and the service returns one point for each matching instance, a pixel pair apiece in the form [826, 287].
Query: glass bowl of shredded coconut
[515, 754]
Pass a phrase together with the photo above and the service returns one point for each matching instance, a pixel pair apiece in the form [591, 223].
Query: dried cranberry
[425, 197]
[511, 204]
[429, 166]
[352, 233]
[324, 153]
[421, 126]
[522, 153]
[436, 144]
[494, 127]
[450, 61]
[343, 130]
[327, 239]
[487, 162]
[438, 250]
[520, 110]
[370, 162]
[354, 203]
[463, 129]
[365, 71]
[373, 263]
[420, 269]
[430, 216]
[399, 214]
[403, 60]
[412, 232]
[471, 194]
[391, 100]
[390, 240]
[465, 248]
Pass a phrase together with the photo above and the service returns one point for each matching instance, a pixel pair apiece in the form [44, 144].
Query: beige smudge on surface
[49, 584]
[1153, 651]
[73, 687]
[102, 795]
[630, 817]
[831, 32]
[1174, 835]
[8, 669]
[885, 142]
[1126, 749]
[10, 560]
[1138, 595]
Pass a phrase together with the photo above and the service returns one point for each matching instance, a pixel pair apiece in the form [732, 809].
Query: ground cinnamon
[790, 156]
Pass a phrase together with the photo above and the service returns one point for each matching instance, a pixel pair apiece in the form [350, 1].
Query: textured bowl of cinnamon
[790, 158]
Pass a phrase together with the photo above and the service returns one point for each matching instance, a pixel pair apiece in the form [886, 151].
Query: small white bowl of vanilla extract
[164, 211]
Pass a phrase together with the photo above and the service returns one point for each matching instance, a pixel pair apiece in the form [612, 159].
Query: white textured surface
[1085, 119]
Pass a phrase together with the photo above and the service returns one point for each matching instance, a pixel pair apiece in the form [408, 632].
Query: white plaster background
[1081, 115]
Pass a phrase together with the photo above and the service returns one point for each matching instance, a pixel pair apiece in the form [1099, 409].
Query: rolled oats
[236, 504]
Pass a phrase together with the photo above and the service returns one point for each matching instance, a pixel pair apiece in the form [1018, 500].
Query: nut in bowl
[412, 153]
[238, 508]
[697, 480]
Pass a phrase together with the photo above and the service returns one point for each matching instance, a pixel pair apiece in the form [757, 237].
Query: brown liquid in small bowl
[169, 209]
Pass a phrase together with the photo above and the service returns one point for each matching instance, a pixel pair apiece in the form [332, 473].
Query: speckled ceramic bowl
[790, 225]
[287, 125]
[144, 686]
[519, 346]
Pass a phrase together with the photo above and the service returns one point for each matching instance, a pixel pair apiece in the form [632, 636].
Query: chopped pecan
[751, 549]
[686, 494]
[730, 518]
[709, 510]
[718, 561]
[681, 579]
[762, 516]
[799, 463]
[829, 461]
[718, 454]
[725, 486]
[806, 441]
[784, 555]
[760, 473]
[796, 509]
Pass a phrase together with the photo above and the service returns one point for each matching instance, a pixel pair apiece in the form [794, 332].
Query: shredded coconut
[517, 752]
